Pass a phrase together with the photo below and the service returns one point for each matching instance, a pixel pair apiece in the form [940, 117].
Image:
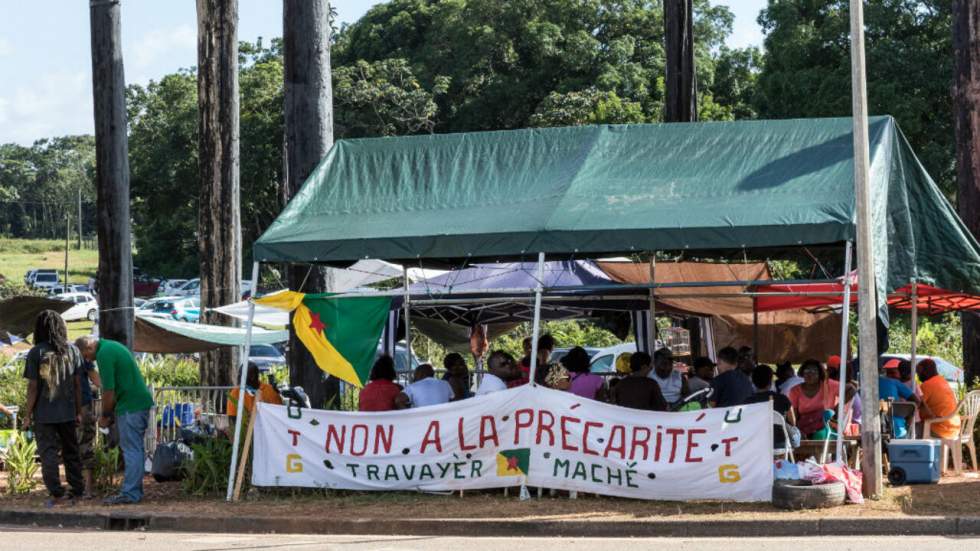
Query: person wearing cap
[891, 388]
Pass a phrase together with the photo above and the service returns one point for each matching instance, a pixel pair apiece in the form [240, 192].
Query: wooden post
[867, 302]
[219, 213]
[966, 111]
[115, 274]
[79, 218]
[246, 447]
[681, 87]
[67, 238]
[308, 113]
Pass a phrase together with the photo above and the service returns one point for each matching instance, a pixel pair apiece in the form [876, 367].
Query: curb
[915, 526]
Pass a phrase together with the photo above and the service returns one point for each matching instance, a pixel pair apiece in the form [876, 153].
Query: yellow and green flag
[341, 334]
[513, 462]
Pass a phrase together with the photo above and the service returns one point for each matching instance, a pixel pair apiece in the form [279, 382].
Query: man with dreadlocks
[53, 372]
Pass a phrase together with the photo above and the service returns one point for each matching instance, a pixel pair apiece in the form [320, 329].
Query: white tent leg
[536, 329]
[845, 313]
[915, 328]
[652, 323]
[241, 380]
[408, 323]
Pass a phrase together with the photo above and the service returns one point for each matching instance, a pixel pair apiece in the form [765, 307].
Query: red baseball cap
[833, 361]
[892, 363]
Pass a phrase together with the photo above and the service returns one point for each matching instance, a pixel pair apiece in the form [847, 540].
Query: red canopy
[930, 300]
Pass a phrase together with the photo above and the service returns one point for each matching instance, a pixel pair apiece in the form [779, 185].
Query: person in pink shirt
[583, 383]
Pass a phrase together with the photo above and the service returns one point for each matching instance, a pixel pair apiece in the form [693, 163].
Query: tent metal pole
[243, 368]
[652, 325]
[844, 326]
[536, 328]
[755, 327]
[867, 298]
[915, 330]
[408, 322]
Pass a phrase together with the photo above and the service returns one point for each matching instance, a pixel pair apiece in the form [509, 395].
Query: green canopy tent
[615, 189]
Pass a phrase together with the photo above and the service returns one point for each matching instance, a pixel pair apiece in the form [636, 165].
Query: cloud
[54, 104]
[174, 43]
[6, 48]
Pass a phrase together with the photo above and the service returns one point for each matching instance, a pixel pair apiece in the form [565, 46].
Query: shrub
[207, 472]
[19, 460]
[105, 469]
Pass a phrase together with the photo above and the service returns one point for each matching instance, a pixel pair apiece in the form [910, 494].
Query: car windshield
[263, 351]
[47, 277]
[163, 306]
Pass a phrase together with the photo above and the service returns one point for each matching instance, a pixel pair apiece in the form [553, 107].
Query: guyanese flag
[513, 462]
[342, 334]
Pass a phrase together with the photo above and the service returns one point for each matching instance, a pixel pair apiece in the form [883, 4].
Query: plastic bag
[785, 470]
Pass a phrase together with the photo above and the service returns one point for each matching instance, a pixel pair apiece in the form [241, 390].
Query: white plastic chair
[967, 409]
[787, 452]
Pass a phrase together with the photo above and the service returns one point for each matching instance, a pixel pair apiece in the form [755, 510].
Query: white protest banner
[549, 438]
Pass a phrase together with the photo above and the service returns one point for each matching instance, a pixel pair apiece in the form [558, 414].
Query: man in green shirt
[124, 394]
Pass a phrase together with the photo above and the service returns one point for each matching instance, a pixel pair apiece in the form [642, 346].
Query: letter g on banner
[294, 463]
[728, 474]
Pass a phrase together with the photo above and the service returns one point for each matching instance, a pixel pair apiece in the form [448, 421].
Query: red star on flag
[316, 324]
[512, 464]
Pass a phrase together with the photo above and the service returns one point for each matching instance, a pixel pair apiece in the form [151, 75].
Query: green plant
[19, 460]
[207, 472]
[160, 371]
[105, 469]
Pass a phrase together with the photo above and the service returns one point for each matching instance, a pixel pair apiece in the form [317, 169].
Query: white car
[190, 289]
[169, 286]
[159, 307]
[65, 290]
[604, 361]
[85, 306]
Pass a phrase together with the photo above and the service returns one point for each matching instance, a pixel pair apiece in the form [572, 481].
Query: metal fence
[180, 406]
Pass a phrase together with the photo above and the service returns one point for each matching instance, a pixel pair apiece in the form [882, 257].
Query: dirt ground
[954, 496]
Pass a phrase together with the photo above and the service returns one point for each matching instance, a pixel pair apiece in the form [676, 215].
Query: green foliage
[937, 336]
[160, 371]
[13, 386]
[207, 473]
[105, 468]
[909, 62]
[21, 465]
[566, 333]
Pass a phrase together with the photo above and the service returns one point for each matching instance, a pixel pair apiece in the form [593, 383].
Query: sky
[45, 64]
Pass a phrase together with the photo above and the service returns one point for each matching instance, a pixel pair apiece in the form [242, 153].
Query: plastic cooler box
[914, 461]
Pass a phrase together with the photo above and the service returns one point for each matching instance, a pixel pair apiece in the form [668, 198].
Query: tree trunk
[219, 213]
[966, 108]
[115, 274]
[309, 134]
[681, 94]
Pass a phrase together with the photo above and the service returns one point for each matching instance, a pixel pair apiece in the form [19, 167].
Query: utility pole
[115, 276]
[966, 111]
[67, 238]
[79, 218]
[867, 303]
[308, 121]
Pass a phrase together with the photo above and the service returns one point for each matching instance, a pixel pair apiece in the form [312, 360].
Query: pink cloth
[586, 385]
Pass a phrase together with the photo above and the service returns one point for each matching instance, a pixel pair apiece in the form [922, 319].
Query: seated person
[379, 394]
[938, 401]
[857, 411]
[637, 390]
[735, 385]
[786, 378]
[813, 397]
[673, 383]
[266, 392]
[762, 380]
[457, 375]
[583, 382]
[500, 369]
[891, 388]
[426, 390]
[704, 372]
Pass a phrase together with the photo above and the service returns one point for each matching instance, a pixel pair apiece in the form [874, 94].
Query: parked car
[952, 374]
[145, 286]
[85, 306]
[604, 361]
[29, 276]
[169, 286]
[190, 289]
[45, 280]
[175, 308]
[149, 307]
[64, 290]
[265, 356]
[559, 353]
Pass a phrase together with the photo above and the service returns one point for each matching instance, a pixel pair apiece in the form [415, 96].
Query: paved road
[23, 539]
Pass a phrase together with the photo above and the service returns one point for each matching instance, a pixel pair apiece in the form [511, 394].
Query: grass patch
[17, 256]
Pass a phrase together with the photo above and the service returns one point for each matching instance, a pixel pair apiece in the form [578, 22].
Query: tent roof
[929, 300]
[163, 336]
[621, 188]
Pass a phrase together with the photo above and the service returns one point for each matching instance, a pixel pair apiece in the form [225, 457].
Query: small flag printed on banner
[513, 462]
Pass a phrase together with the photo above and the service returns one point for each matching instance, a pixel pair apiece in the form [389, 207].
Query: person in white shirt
[425, 391]
[673, 384]
[786, 378]
[500, 368]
